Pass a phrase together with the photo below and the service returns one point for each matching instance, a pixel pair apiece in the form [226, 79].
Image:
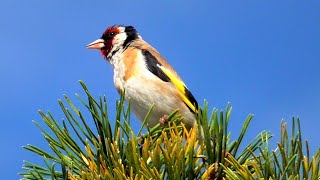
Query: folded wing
[166, 75]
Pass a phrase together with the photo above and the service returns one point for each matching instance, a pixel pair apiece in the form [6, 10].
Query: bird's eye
[111, 34]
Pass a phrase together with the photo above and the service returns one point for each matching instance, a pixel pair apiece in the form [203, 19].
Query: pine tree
[168, 151]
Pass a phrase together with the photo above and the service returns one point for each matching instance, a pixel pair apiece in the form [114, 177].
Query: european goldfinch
[145, 76]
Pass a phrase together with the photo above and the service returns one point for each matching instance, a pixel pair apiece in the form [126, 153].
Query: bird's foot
[141, 141]
[163, 120]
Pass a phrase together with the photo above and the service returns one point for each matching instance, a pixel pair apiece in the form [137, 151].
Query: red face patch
[110, 30]
[108, 37]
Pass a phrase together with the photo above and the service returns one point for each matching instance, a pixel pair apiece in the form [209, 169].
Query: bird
[145, 76]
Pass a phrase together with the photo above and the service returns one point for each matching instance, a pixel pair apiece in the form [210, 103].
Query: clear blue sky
[261, 56]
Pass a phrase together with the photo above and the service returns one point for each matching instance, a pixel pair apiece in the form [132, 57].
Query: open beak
[97, 44]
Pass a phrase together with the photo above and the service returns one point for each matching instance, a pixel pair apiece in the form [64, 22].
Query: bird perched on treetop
[145, 76]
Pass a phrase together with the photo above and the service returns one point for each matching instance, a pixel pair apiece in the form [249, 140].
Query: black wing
[153, 66]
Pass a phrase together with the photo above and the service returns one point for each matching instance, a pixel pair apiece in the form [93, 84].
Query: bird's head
[113, 39]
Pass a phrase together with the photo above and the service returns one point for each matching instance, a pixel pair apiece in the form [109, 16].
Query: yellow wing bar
[184, 93]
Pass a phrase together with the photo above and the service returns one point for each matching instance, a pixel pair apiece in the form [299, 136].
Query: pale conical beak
[97, 44]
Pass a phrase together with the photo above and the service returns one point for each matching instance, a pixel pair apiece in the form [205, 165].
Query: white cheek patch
[117, 43]
[119, 39]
